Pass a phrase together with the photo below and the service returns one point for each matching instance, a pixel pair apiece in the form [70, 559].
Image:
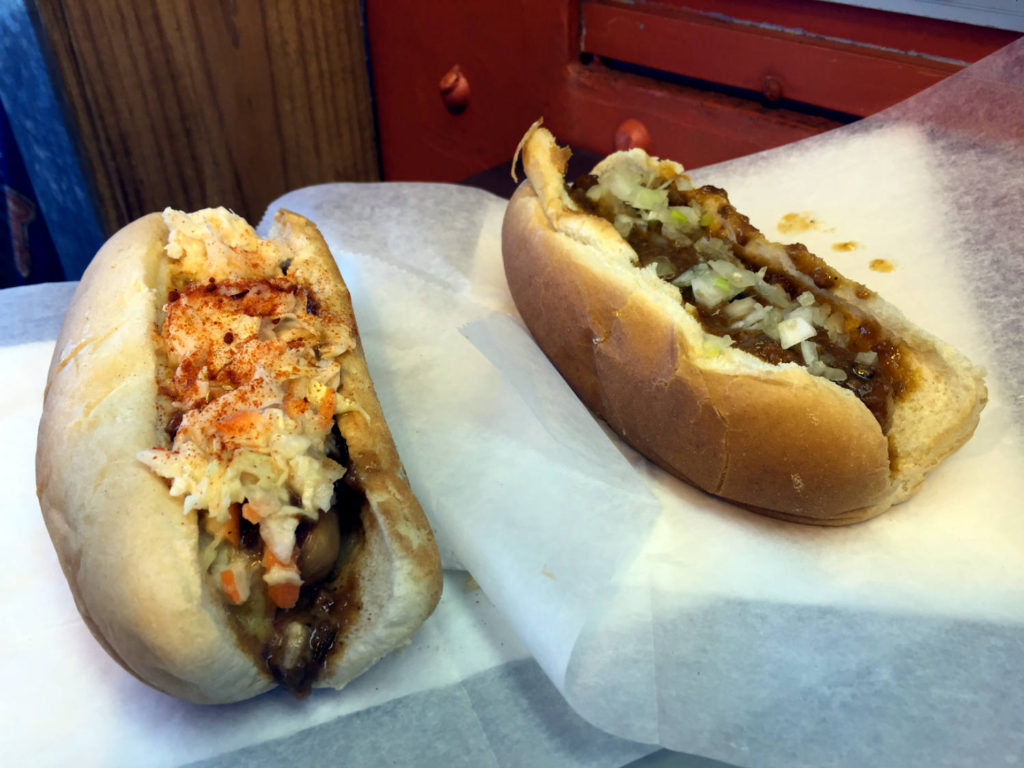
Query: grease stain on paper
[804, 221]
[848, 245]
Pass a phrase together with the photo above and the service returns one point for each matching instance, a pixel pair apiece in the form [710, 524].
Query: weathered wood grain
[195, 103]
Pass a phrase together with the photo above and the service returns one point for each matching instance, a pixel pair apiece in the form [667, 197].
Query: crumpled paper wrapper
[667, 616]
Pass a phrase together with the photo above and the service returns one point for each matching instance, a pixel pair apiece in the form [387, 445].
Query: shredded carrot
[227, 582]
[251, 514]
[282, 595]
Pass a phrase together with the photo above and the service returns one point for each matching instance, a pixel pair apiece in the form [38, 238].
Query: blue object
[27, 254]
[59, 187]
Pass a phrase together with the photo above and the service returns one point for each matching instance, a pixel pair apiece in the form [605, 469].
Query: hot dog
[215, 471]
[750, 369]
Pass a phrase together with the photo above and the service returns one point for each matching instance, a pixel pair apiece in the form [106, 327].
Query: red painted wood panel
[897, 31]
[512, 54]
[521, 60]
[691, 126]
[851, 78]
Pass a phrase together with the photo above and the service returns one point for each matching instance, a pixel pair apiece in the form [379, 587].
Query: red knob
[455, 90]
[632, 133]
[772, 88]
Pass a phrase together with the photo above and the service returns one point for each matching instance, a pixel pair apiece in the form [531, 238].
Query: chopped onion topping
[740, 308]
[713, 248]
[818, 368]
[629, 188]
[710, 290]
[774, 294]
[722, 267]
[809, 350]
[684, 215]
[793, 330]
[641, 197]
[813, 315]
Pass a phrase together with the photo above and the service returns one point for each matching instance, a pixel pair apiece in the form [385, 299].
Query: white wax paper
[670, 617]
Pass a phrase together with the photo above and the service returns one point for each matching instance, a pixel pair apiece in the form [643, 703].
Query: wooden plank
[691, 126]
[896, 31]
[847, 77]
[192, 104]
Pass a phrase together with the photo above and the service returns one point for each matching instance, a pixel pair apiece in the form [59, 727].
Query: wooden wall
[196, 103]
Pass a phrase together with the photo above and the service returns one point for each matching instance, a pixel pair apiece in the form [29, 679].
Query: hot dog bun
[132, 556]
[770, 437]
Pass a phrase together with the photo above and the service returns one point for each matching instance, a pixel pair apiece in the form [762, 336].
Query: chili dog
[214, 468]
[750, 369]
